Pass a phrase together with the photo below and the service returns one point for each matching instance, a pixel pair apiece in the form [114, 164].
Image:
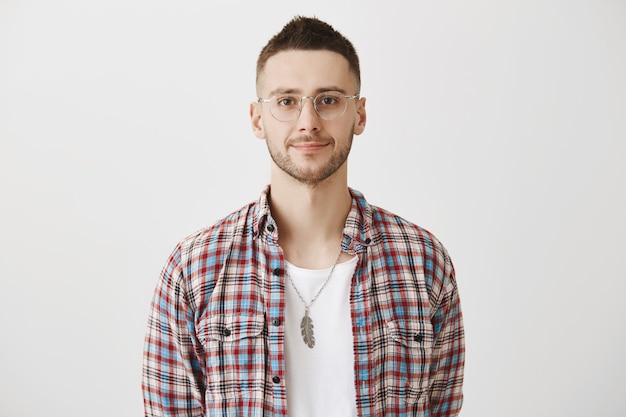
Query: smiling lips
[310, 146]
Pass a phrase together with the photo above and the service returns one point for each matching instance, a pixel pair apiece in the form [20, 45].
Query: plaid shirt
[215, 340]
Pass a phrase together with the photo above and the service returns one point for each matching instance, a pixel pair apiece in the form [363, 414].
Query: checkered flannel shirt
[215, 339]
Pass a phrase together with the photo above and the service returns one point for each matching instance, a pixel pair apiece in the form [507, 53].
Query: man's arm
[173, 370]
[446, 395]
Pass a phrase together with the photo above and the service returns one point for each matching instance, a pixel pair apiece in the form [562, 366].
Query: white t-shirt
[320, 380]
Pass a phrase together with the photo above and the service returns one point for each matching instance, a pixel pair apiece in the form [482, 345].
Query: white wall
[498, 125]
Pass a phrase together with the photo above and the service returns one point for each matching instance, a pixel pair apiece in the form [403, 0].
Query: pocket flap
[412, 334]
[229, 328]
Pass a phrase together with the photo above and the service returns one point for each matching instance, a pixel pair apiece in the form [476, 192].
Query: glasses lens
[330, 105]
[285, 108]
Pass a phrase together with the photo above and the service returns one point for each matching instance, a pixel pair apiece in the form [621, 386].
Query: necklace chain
[310, 303]
[306, 325]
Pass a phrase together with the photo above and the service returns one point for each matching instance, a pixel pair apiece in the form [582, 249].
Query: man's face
[310, 149]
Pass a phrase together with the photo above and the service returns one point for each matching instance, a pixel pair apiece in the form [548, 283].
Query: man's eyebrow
[283, 90]
[330, 88]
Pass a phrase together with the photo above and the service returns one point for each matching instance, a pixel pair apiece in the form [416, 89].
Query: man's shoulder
[388, 221]
[390, 225]
[399, 236]
[222, 230]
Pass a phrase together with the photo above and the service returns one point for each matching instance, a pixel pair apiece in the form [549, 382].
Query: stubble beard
[310, 176]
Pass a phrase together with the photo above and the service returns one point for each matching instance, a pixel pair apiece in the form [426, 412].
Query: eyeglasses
[330, 105]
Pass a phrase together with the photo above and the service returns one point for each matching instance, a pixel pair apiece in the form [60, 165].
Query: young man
[309, 301]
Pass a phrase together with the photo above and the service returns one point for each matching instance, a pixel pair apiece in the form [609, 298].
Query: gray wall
[500, 126]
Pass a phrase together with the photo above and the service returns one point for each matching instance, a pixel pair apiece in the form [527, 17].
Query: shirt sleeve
[173, 380]
[449, 349]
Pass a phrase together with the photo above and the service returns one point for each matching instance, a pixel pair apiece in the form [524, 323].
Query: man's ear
[361, 117]
[256, 119]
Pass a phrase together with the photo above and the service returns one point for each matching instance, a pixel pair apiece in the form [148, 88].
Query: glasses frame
[314, 98]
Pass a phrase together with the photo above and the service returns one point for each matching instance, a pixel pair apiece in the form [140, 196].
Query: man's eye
[328, 100]
[286, 101]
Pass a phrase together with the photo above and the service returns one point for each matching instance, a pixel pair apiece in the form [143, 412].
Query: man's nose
[309, 119]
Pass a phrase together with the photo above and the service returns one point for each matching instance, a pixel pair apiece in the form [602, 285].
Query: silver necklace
[306, 325]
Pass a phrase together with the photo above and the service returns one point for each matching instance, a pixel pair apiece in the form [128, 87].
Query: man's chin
[310, 180]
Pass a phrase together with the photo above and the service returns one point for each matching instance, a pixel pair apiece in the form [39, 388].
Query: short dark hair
[311, 34]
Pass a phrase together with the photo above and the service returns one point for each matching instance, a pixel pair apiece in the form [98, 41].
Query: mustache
[308, 139]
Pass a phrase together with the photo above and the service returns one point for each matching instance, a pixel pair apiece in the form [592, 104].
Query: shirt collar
[357, 230]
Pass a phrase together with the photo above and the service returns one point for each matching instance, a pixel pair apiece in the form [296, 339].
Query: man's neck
[310, 219]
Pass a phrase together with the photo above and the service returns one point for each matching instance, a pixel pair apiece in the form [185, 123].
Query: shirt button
[226, 332]
[270, 228]
[275, 380]
[277, 271]
[368, 241]
[275, 322]
[418, 337]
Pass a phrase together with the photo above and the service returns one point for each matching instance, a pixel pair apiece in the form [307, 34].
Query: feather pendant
[306, 327]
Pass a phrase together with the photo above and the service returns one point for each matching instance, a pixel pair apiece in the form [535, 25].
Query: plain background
[500, 126]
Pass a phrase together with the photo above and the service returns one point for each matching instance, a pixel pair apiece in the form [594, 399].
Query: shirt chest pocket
[235, 355]
[408, 357]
